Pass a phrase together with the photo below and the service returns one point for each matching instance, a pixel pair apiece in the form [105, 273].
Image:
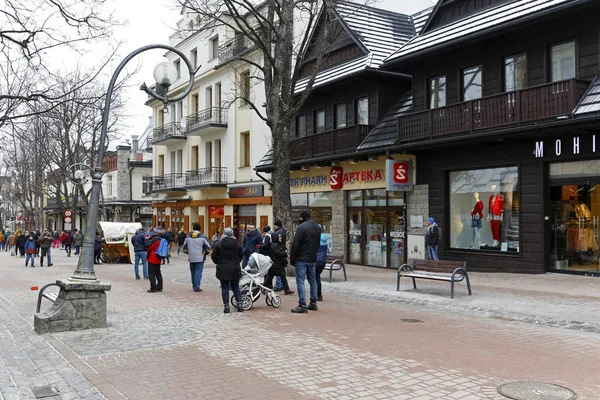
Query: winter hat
[278, 223]
[304, 214]
[267, 228]
[158, 230]
[430, 219]
[228, 232]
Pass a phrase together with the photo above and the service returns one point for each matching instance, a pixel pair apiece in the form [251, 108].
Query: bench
[446, 271]
[335, 263]
[50, 296]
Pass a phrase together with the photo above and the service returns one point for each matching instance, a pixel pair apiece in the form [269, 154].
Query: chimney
[139, 156]
[134, 143]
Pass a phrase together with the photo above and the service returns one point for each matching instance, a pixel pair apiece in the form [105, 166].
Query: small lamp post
[83, 284]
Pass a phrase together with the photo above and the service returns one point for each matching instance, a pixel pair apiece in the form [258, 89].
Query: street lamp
[165, 75]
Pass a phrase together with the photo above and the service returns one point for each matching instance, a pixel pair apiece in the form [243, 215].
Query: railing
[538, 103]
[170, 130]
[339, 141]
[234, 48]
[206, 176]
[168, 182]
[214, 115]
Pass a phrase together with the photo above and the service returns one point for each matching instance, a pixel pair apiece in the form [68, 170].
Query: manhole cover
[40, 392]
[411, 320]
[535, 391]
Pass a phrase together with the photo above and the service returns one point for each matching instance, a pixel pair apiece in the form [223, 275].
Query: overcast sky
[152, 21]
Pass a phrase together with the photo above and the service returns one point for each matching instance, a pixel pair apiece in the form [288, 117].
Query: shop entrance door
[376, 229]
[216, 216]
[575, 222]
[355, 236]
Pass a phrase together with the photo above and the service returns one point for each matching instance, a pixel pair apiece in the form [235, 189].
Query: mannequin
[496, 214]
[476, 222]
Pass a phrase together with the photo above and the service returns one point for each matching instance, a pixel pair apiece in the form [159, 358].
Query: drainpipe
[263, 178]
[132, 167]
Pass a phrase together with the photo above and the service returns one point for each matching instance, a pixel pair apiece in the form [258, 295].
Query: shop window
[355, 198]
[515, 72]
[375, 197]
[362, 111]
[340, 116]
[563, 61]
[319, 121]
[301, 125]
[437, 92]
[471, 83]
[319, 199]
[484, 209]
[396, 198]
[299, 200]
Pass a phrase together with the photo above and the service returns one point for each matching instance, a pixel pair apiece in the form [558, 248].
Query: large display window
[484, 209]
[319, 205]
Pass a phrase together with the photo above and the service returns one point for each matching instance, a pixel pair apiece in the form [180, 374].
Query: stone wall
[418, 204]
[338, 221]
[123, 154]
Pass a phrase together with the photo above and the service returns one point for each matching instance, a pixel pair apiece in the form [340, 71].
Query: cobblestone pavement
[414, 345]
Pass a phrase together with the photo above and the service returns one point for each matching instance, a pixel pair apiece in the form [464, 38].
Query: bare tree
[269, 27]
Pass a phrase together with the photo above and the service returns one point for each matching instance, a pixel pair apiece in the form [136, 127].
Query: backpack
[440, 234]
[163, 249]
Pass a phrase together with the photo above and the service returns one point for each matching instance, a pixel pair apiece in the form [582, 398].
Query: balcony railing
[234, 48]
[534, 104]
[169, 131]
[339, 141]
[210, 116]
[206, 177]
[174, 181]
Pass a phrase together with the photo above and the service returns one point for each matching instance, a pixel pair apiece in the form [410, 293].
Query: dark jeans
[97, 256]
[320, 268]
[77, 250]
[46, 252]
[196, 273]
[156, 279]
[234, 286]
[22, 250]
[269, 279]
[245, 260]
[68, 249]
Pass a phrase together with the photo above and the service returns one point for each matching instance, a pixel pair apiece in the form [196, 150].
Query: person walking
[68, 242]
[21, 239]
[170, 237]
[36, 238]
[139, 249]
[303, 257]
[280, 232]
[63, 236]
[250, 244]
[45, 244]
[278, 255]
[2, 240]
[227, 255]
[321, 261]
[196, 246]
[56, 239]
[10, 243]
[181, 239]
[154, 262]
[432, 238]
[77, 241]
[30, 250]
[98, 249]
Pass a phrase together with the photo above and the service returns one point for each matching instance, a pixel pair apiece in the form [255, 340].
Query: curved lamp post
[165, 74]
[78, 179]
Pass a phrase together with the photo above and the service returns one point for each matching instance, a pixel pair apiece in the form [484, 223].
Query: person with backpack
[321, 261]
[196, 246]
[170, 237]
[30, 250]
[432, 238]
[181, 236]
[157, 249]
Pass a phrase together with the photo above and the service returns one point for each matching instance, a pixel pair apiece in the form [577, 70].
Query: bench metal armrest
[460, 271]
[405, 268]
[40, 295]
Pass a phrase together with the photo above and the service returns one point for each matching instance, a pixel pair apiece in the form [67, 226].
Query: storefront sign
[246, 191]
[337, 178]
[399, 176]
[559, 147]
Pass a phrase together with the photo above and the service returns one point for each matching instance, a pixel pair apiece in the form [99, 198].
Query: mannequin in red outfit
[476, 222]
[496, 214]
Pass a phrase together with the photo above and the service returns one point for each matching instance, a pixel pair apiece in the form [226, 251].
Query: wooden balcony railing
[214, 115]
[206, 177]
[234, 48]
[168, 131]
[339, 141]
[167, 182]
[534, 104]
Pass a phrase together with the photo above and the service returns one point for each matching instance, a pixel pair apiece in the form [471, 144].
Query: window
[362, 111]
[245, 149]
[179, 111]
[178, 67]
[208, 155]
[471, 83]
[563, 61]
[146, 184]
[484, 209]
[195, 158]
[437, 92]
[245, 86]
[109, 186]
[301, 125]
[319, 121]
[515, 72]
[340, 116]
[194, 58]
[213, 49]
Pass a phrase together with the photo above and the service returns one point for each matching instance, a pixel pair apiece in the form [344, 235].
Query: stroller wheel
[268, 300]
[247, 302]
[276, 301]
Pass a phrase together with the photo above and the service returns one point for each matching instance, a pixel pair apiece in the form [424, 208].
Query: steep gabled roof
[420, 18]
[590, 102]
[378, 32]
[480, 24]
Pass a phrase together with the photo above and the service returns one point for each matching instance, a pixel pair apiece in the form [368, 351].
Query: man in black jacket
[303, 257]
[139, 249]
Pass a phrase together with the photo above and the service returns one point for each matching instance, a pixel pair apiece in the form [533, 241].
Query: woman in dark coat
[278, 255]
[227, 255]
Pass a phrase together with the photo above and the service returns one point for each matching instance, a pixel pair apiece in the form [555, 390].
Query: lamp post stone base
[79, 305]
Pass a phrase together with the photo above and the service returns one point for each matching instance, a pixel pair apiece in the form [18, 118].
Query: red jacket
[63, 236]
[152, 246]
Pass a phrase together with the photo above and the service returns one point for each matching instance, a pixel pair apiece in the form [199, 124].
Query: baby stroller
[251, 283]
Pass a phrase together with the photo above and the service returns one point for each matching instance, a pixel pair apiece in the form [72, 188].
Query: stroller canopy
[262, 262]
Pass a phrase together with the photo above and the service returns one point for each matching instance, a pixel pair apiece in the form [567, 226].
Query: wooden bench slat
[436, 271]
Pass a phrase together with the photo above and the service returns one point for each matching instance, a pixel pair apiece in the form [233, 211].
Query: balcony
[168, 134]
[547, 102]
[174, 182]
[206, 177]
[336, 142]
[206, 121]
[234, 48]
